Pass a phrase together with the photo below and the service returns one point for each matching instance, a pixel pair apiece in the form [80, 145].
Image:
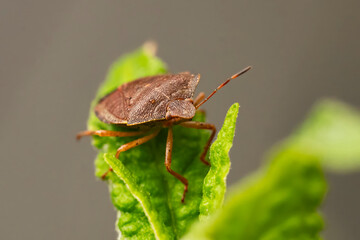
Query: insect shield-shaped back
[150, 99]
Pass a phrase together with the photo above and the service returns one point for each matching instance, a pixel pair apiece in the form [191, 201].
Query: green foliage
[215, 181]
[331, 132]
[132, 221]
[147, 197]
[279, 201]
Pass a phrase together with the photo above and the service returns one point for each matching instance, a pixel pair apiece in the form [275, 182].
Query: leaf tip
[235, 108]
[150, 47]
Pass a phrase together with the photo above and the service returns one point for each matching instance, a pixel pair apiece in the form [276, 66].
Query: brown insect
[152, 103]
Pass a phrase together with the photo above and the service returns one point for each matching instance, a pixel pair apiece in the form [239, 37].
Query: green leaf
[132, 221]
[147, 197]
[331, 132]
[278, 202]
[215, 181]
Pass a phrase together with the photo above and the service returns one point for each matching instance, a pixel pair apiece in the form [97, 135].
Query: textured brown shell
[149, 99]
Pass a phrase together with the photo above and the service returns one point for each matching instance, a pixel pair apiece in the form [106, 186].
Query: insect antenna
[223, 84]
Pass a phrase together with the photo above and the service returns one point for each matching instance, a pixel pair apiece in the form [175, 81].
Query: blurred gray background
[54, 55]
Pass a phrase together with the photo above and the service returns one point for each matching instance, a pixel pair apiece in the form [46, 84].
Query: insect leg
[202, 125]
[199, 98]
[169, 145]
[136, 143]
[106, 173]
[130, 145]
[106, 133]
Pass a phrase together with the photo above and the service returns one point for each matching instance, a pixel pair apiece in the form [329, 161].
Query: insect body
[152, 103]
[150, 100]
